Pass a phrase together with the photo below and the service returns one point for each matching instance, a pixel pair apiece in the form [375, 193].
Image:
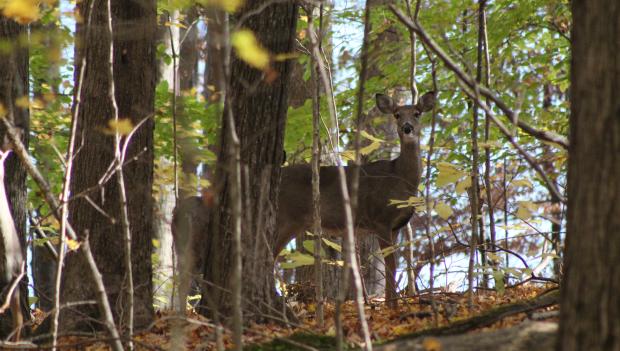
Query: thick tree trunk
[590, 314]
[135, 75]
[260, 114]
[14, 85]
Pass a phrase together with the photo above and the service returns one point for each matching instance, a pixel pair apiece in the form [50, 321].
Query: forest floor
[413, 315]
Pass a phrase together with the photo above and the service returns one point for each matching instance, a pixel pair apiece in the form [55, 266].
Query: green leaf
[309, 246]
[498, 277]
[297, 259]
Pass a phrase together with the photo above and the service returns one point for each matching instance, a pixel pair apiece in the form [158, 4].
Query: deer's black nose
[407, 128]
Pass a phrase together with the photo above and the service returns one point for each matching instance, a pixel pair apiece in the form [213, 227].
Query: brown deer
[379, 182]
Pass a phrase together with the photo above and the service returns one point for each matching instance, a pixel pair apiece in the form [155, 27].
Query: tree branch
[471, 83]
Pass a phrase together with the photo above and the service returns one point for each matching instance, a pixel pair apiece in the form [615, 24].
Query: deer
[379, 182]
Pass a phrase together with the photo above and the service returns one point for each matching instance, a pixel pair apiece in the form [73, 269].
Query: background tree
[259, 104]
[590, 302]
[134, 79]
[13, 89]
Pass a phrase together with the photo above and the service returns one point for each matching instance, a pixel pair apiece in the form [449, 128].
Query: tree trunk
[14, 85]
[135, 75]
[187, 74]
[188, 51]
[213, 74]
[260, 114]
[379, 57]
[590, 314]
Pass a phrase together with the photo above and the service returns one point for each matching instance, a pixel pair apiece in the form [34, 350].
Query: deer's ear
[427, 101]
[385, 103]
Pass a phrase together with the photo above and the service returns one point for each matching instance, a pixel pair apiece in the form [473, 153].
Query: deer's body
[379, 182]
[295, 198]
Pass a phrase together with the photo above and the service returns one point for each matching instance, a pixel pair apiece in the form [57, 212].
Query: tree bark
[188, 51]
[135, 75]
[590, 314]
[213, 74]
[260, 114]
[14, 85]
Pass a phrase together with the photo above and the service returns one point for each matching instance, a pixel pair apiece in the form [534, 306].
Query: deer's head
[407, 116]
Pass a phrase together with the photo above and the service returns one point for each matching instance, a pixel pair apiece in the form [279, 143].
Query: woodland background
[116, 111]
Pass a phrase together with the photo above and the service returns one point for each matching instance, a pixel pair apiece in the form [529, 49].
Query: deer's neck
[409, 163]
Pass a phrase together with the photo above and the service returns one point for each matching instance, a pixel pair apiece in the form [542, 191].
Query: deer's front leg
[385, 241]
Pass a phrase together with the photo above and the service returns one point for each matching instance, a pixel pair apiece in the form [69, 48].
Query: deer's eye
[417, 114]
[397, 115]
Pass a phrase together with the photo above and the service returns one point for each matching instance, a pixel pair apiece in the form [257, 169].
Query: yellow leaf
[387, 251]
[250, 50]
[22, 11]
[431, 344]
[226, 5]
[338, 263]
[448, 173]
[524, 212]
[491, 144]
[72, 244]
[332, 244]
[311, 307]
[38, 104]
[348, 155]
[443, 210]
[2, 111]
[523, 182]
[401, 329]
[156, 243]
[370, 148]
[121, 126]
[303, 18]
[462, 185]
[365, 134]
[22, 102]
[418, 203]
[286, 56]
